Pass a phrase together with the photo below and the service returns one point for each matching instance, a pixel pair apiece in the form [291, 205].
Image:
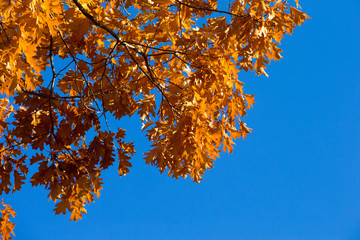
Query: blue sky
[296, 177]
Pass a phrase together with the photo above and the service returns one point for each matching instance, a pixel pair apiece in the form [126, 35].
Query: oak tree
[68, 67]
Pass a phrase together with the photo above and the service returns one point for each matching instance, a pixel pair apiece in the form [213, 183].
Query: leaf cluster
[66, 66]
[6, 226]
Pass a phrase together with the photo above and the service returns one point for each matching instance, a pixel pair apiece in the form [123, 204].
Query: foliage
[6, 226]
[69, 65]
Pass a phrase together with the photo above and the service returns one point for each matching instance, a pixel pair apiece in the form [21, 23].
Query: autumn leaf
[250, 100]
[6, 226]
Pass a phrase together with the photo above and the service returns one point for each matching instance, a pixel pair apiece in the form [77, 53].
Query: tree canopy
[68, 67]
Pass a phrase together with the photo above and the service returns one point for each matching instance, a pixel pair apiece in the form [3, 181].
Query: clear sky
[297, 177]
